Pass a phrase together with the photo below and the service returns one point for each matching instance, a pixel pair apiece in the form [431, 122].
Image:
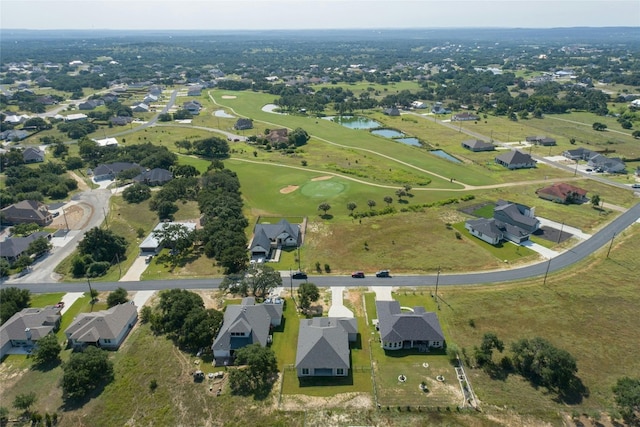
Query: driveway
[135, 271]
[545, 252]
[565, 228]
[69, 299]
[383, 293]
[141, 298]
[337, 308]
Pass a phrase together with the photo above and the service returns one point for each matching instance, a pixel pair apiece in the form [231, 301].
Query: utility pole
[90, 290]
[64, 215]
[544, 282]
[575, 172]
[299, 261]
[119, 266]
[611, 244]
[561, 228]
[437, 280]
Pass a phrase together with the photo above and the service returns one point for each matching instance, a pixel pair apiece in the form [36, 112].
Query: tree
[371, 203]
[39, 246]
[627, 396]
[60, 150]
[103, 245]
[260, 372]
[261, 279]
[636, 134]
[184, 171]
[136, 193]
[388, 200]
[599, 126]
[13, 300]
[307, 293]
[175, 305]
[400, 192]
[298, 137]
[37, 123]
[73, 163]
[324, 207]
[5, 267]
[351, 206]
[199, 329]
[24, 401]
[407, 188]
[85, 372]
[4, 416]
[484, 354]
[47, 351]
[117, 297]
[175, 236]
[595, 200]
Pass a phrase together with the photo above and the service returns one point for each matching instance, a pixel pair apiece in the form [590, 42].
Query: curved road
[577, 253]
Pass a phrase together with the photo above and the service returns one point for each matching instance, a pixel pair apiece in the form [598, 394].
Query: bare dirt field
[228, 97]
[289, 189]
[322, 178]
[76, 217]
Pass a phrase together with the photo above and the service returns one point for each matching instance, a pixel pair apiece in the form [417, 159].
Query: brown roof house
[323, 346]
[25, 328]
[516, 160]
[563, 193]
[278, 136]
[104, 329]
[405, 330]
[25, 212]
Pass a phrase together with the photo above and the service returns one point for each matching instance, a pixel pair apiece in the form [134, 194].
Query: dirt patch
[228, 97]
[289, 189]
[343, 400]
[322, 178]
[82, 185]
[74, 217]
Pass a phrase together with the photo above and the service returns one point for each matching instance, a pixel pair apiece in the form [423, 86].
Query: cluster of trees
[77, 128]
[259, 371]
[627, 396]
[223, 233]
[307, 294]
[98, 250]
[117, 297]
[182, 316]
[86, 372]
[537, 360]
[26, 101]
[13, 300]
[29, 183]
[164, 200]
[146, 155]
[210, 148]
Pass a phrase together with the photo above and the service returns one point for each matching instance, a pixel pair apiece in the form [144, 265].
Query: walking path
[337, 305]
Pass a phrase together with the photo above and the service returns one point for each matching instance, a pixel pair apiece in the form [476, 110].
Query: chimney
[27, 332]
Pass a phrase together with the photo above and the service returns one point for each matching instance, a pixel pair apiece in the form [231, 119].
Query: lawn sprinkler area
[322, 189]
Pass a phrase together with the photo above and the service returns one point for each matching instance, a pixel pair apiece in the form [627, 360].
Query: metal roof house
[405, 330]
[323, 346]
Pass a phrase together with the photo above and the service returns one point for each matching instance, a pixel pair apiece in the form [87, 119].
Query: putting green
[322, 189]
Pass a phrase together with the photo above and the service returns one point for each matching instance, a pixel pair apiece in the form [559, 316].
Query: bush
[96, 269]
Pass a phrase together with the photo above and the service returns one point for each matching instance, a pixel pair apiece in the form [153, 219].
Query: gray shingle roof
[515, 157]
[40, 321]
[15, 246]
[156, 175]
[486, 226]
[512, 211]
[323, 342]
[272, 231]
[105, 324]
[396, 325]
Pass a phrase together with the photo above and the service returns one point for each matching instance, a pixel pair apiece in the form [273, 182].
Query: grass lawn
[43, 300]
[505, 251]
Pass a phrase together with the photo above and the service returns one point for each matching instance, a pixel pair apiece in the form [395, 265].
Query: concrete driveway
[337, 308]
[135, 271]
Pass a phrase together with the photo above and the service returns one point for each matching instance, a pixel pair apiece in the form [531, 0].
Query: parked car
[383, 273]
[299, 275]
[148, 259]
[357, 275]
[635, 185]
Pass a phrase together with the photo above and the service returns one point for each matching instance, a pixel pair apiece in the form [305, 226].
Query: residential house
[140, 108]
[485, 229]
[192, 107]
[195, 90]
[406, 330]
[46, 99]
[323, 346]
[541, 140]
[14, 135]
[278, 136]
[152, 245]
[121, 120]
[155, 90]
[32, 155]
[109, 171]
[150, 99]
[27, 211]
[464, 117]
[75, 117]
[105, 329]
[90, 104]
[391, 111]
[155, 176]
[476, 145]
[245, 324]
[516, 214]
[418, 105]
[272, 236]
[439, 109]
[12, 248]
[515, 160]
[27, 327]
[563, 193]
[578, 154]
[16, 119]
[243, 124]
[606, 164]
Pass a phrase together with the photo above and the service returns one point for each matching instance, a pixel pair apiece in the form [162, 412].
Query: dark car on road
[383, 273]
[299, 275]
[357, 275]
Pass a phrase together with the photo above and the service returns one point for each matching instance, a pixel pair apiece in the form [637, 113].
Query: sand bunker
[289, 189]
[322, 178]
[229, 97]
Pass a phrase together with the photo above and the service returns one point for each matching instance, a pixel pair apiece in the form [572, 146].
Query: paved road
[152, 121]
[582, 250]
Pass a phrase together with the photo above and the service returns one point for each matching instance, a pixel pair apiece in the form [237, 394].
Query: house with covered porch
[408, 329]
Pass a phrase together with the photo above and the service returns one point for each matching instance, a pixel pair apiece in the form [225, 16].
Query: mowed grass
[43, 300]
[589, 310]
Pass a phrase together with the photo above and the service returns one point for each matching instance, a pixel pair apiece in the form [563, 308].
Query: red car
[357, 275]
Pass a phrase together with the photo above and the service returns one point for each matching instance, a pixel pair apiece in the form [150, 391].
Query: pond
[354, 122]
[445, 155]
[409, 141]
[387, 133]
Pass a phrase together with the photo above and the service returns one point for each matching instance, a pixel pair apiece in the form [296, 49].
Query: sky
[314, 14]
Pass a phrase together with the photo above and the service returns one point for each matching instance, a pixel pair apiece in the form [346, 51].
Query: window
[305, 371]
[107, 341]
[340, 371]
